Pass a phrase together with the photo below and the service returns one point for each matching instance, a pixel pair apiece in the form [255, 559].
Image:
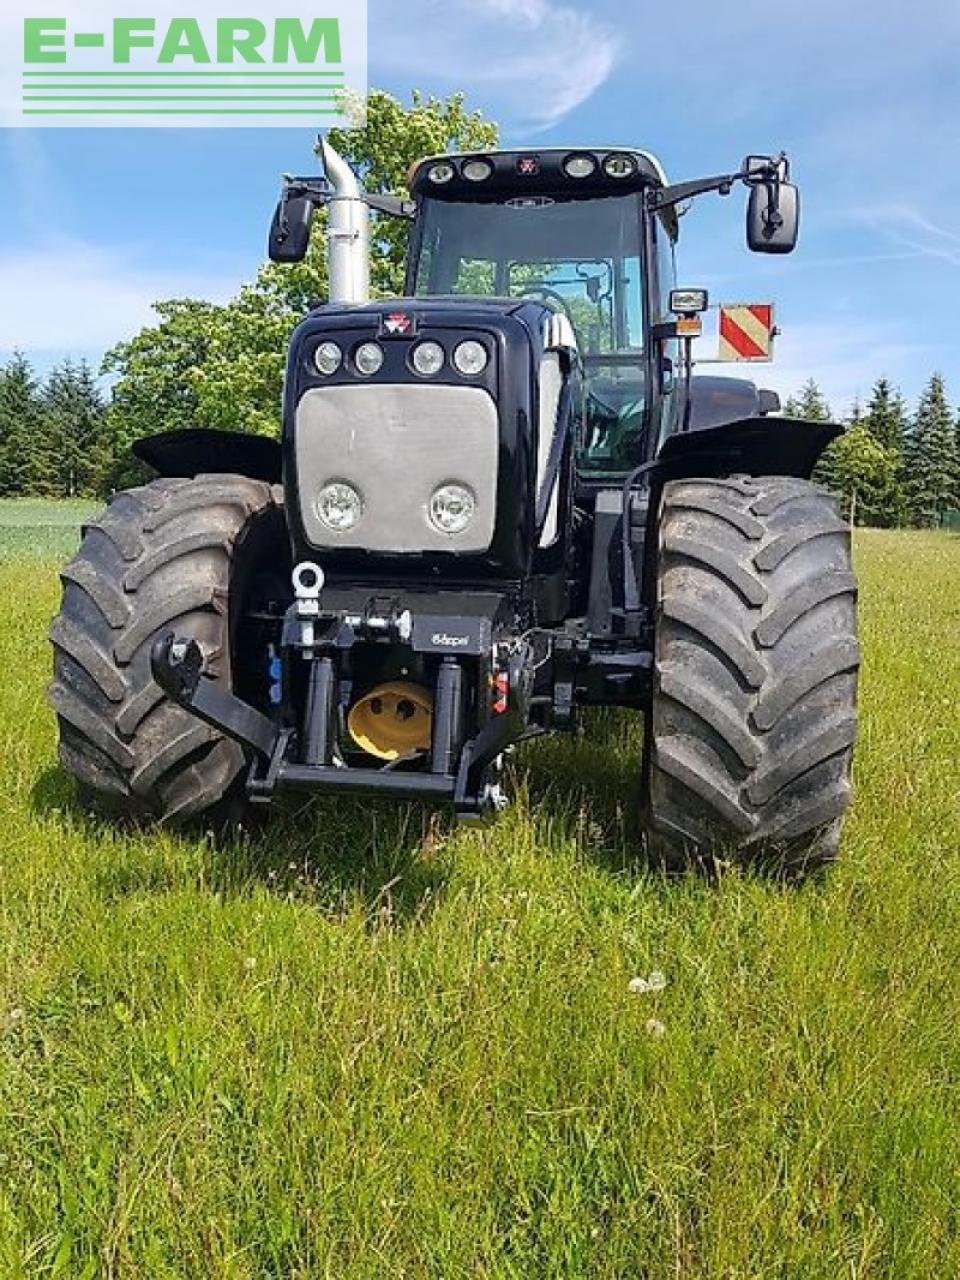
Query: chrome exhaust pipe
[348, 232]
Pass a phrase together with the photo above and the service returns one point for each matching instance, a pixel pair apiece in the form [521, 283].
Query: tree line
[893, 467]
[56, 436]
[206, 364]
[63, 437]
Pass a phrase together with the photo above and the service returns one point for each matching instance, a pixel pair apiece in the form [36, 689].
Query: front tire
[173, 555]
[753, 717]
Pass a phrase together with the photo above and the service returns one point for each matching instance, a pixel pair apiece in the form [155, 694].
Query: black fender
[756, 446]
[202, 451]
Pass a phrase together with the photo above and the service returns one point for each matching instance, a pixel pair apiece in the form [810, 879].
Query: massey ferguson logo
[398, 324]
[440, 638]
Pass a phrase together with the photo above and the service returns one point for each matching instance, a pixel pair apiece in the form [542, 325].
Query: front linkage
[318, 641]
[501, 687]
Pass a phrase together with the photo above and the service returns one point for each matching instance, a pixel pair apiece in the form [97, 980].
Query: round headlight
[368, 358]
[477, 170]
[441, 173]
[339, 506]
[619, 166]
[580, 165]
[471, 358]
[328, 358]
[452, 508]
[428, 358]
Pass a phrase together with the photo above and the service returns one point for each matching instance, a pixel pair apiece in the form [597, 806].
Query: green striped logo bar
[278, 64]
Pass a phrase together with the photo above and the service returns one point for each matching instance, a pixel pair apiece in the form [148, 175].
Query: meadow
[366, 1044]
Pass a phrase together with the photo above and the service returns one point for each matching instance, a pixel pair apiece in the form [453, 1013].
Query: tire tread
[754, 709]
[159, 556]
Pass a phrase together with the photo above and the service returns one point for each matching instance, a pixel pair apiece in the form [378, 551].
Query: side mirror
[290, 230]
[773, 217]
[767, 402]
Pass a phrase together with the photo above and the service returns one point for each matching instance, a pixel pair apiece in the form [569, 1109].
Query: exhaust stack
[348, 236]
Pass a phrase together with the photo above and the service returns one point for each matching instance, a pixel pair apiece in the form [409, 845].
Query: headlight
[471, 358]
[580, 165]
[339, 506]
[328, 358]
[368, 358]
[428, 358]
[619, 166]
[441, 173]
[688, 302]
[452, 507]
[477, 170]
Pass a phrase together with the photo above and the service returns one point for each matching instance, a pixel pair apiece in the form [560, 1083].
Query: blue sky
[96, 224]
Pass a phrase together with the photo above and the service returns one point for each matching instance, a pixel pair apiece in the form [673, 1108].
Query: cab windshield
[580, 257]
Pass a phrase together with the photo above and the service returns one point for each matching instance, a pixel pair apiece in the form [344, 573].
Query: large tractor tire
[175, 555]
[753, 716]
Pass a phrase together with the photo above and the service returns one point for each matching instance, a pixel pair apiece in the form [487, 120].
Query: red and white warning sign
[746, 331]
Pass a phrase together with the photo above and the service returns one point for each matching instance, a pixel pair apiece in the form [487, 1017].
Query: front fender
[198, 451]
[767, 446]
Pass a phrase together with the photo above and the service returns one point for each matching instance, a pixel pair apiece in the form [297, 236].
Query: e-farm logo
[135, 65]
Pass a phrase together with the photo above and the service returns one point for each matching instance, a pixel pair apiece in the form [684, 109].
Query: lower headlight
[451, 508]
[339, 506]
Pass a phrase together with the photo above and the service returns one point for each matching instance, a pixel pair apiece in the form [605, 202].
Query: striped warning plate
[746, 331]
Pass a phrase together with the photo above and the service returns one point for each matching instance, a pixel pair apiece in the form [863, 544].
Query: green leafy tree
[861, 471]
[930, 457]
[222, 366]
[26, 458]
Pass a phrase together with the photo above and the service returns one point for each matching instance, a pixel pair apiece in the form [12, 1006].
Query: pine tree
[930, 457]
[886, 415]
[809, 403]
[22, 449]
[76, 419]
[886, 421]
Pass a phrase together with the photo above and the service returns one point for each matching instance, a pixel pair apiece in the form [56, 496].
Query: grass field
[32, 527]
[367, 1045]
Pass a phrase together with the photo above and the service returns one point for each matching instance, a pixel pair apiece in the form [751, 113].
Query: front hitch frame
[178, 668]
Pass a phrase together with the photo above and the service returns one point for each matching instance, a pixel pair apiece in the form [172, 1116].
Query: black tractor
[496, 500]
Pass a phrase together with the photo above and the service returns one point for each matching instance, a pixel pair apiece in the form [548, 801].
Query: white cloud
[534, 60]
[66, 295]
[913, 230]
[59, 293]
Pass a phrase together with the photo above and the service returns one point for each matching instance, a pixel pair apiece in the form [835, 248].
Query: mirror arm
[773, 173]
[319, 193]
[393, 206]
[666, 197]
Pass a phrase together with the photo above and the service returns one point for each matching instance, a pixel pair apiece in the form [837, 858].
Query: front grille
[396, 445]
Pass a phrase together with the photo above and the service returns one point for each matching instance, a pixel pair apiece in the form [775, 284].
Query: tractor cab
[570, 230]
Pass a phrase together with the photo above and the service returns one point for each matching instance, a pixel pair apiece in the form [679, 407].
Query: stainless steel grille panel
[396, 445]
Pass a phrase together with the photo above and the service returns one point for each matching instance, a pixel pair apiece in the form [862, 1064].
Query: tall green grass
[368, 1045]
